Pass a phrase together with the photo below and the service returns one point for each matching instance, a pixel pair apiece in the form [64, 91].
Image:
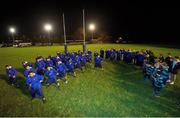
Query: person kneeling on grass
[40, 64]
[49, 62]
[98, 62]
[61, 71]
[78, 63]
[28, 69]
[70, 67]
[33, 82]
[11, 72]
[51, 73]
[26, 63]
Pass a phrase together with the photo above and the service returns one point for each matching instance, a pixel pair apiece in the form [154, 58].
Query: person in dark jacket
[174, 69]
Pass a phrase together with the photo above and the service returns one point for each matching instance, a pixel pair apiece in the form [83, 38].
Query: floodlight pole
[84, 34]
[64, 29]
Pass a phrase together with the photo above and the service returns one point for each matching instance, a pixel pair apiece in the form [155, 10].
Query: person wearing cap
[51, 73]
[33, 82]
[11, 72]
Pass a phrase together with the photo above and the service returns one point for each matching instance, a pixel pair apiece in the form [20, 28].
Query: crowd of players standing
[159, 70]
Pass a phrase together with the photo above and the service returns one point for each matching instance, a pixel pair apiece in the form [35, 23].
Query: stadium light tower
[48, 28]
[92, 28]
[64, 31]
[12, 30]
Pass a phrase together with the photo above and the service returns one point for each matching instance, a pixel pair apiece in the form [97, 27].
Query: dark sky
[139, 21]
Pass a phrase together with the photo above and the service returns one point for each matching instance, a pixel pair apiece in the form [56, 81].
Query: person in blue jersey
[102, 53]
[49, 62]
[26, 63]
[129, 56]
[107, 56]
[70, 67]
[61, 71]
[121, 54]
[62, 57]
[174, 69]
[58, 58]
[124, 55]
[12, 74]
[33, 82]
[118, 55]
[53, 58]
[28, 70]
[88, 58]
[51, 73]
[78, 63]
[98, 62]
[59, 54]
[41, 65]
[140, 59]
[112, 54]
[83, 61]
[89, 52]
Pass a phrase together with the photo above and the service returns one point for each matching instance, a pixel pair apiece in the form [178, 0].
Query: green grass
[118, 90]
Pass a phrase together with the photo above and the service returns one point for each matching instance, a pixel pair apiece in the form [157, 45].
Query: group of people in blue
[49, 70]
[159, 70]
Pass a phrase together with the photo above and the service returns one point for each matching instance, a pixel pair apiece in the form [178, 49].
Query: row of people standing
[159, 69]
[50, 70]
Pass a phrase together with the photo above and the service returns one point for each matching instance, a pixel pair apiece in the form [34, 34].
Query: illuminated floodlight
[48, 27]
[12, 30]
[92, 27]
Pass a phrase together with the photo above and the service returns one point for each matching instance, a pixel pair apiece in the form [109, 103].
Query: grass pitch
[118, 90]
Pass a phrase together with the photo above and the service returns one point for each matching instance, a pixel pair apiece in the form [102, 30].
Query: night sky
[137, 21]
